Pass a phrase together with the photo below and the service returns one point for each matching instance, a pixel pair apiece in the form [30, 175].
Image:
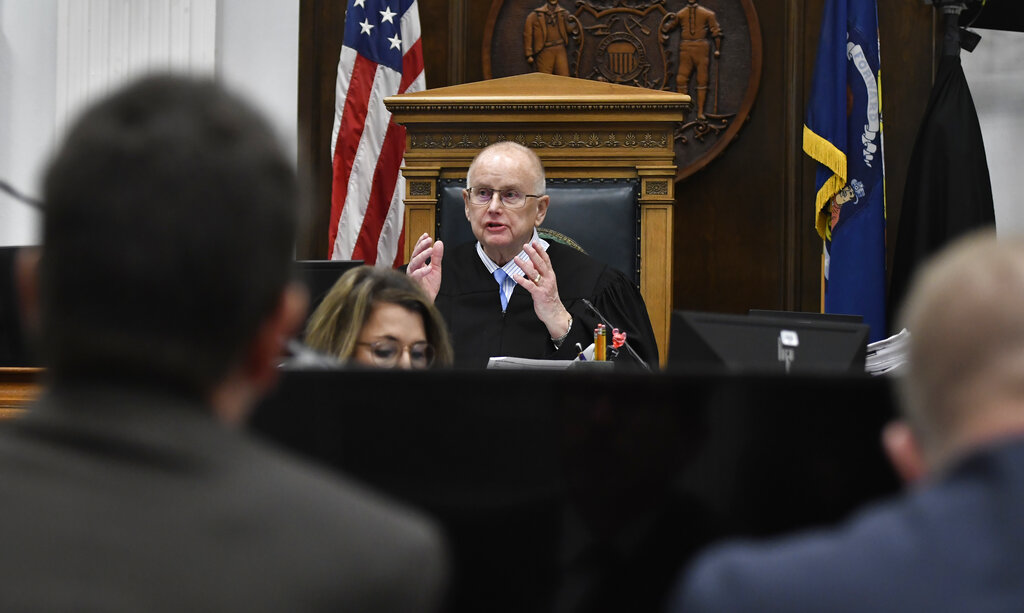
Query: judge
[512, 293]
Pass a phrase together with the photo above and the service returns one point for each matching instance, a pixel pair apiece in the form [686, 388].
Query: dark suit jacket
[956, 545]
[114, 500]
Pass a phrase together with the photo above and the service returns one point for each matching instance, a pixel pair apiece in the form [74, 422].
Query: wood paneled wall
[744, 230]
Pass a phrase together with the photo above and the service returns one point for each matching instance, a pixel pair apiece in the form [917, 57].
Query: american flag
[381, 56]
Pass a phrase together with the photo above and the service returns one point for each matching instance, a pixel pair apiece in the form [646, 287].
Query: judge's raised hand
[426, 274]
[539, 280]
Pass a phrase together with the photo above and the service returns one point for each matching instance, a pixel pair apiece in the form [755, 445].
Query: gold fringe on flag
[828, 154]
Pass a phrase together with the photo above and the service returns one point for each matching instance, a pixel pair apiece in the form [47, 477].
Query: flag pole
[821, 302]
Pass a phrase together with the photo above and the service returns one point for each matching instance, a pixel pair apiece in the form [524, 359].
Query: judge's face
[502, 231]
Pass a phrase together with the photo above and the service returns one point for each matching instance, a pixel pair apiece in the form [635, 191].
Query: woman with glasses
[379, 317]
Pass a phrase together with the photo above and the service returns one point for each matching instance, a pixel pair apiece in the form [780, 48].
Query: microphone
[608, 325]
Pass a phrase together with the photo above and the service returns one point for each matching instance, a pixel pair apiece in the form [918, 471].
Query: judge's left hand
[539, 280]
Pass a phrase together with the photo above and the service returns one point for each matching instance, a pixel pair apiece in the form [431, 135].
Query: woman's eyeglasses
[387, 352]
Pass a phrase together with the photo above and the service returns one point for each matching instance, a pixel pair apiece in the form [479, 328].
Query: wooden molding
[456, 34]
[18, 388]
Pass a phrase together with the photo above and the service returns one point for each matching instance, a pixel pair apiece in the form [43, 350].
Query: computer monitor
[320, 276]
[807, 316]
[719, 341]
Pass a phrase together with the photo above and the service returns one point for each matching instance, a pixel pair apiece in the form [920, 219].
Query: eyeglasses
[387, 352]
[511, 198]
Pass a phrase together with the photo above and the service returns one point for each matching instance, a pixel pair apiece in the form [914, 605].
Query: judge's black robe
[471, 306]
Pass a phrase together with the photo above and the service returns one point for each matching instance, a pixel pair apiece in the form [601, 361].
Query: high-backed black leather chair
[601, 217]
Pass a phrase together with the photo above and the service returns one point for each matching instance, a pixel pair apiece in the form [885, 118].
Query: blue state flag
[843, 133]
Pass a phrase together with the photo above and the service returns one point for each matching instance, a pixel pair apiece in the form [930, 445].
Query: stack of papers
[888, 355]
[509, 363]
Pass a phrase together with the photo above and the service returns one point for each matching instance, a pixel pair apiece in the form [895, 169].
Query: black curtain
[948, 191]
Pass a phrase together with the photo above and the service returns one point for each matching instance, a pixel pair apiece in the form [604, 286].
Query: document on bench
[506, 363]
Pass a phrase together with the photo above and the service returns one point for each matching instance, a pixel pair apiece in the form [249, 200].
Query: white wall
[257, 53]
[995, 74]
[28, 90]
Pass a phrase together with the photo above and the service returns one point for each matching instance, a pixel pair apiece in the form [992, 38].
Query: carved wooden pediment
[572, 123]
[535, 92]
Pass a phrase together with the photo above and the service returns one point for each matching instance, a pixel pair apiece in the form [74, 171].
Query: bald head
[965, 379]
[515, 150]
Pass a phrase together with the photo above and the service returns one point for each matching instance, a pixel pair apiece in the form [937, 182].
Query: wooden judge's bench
[18, 388]
[581, 129]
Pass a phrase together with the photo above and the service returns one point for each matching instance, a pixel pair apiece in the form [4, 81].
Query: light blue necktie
[500, 276]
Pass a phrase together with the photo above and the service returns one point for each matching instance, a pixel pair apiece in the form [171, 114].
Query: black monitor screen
[805, 316]
[320, 276]
[765, 344]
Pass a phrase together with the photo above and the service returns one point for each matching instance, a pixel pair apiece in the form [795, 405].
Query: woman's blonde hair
[335, 325]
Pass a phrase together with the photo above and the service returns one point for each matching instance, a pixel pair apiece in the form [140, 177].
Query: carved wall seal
[709, 49]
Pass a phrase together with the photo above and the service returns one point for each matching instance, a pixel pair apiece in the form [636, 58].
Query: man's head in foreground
[964, 386]
[168, 235]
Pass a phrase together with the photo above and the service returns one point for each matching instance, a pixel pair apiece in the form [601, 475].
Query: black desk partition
[319, 276]
[584, 491]
[14, 349]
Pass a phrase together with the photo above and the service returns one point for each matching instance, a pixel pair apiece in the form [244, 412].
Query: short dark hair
[168, 235]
